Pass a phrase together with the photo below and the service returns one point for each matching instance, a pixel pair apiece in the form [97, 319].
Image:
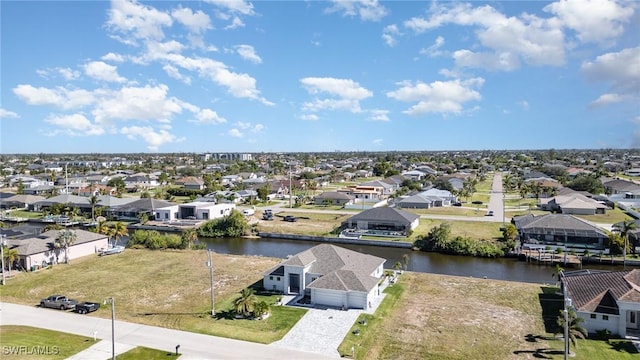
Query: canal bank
[336, 240]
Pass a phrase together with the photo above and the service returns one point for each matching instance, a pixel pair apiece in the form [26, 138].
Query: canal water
[500, 269]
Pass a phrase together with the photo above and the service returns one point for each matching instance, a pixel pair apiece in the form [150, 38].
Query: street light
[210, 266]
[112, 301]
[3, 243]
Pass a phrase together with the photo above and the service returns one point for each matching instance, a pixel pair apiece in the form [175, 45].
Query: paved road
[192, 345]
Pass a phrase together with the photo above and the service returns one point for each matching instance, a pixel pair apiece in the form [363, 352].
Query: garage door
[357, 300]
[328, 298]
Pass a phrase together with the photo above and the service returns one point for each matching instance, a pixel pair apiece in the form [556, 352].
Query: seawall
[336, 240]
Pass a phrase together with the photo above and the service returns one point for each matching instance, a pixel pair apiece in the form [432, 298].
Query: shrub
[603, 334]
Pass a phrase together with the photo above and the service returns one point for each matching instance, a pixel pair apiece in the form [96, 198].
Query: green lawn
[479, 230]
[177, 298]
[141, 352]
[24, 342]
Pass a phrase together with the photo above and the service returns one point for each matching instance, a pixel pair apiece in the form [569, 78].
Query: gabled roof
[334, 195]
[25, 199]
[143, 205]
[558, 223]
[385, 214]
[600, 291]
[44, 242]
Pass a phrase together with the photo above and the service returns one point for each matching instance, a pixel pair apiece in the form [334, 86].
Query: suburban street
[129, 335]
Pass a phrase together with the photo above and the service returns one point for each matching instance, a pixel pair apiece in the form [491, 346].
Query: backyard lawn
[48, 344]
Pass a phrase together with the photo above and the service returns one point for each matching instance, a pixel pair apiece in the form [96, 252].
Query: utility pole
[2, 245]
[210, 266]
[290, 189]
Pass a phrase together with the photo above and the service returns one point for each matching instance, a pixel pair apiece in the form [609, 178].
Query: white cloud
[102, 71]
[379, 115]
[258, 128]
[235, 133]
[445, 97]
[196, 22]
[208, 116]
[234, 6]
[247, 52]
[593, 20]
[389, 34]
[173, 72]
[608, 99]
[377, 142]
[149, 103]
[69, 74]
[6, 114]
[154, 139]
[309, 117]
[113, 57]
[132, 18]
[528, 38]
[434, 50]
[523, 104]
[235, 23]
[345, 94]
[60, 97]
[366, 10]
[621, 68]
[74, 125]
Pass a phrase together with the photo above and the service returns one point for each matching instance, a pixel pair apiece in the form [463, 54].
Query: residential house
[191, 183]
[20, 202]
[428, 199]
[137, 208]
[387, 189]
[415, 175]
[384, 219]
[574, 203]
[333, 198]
[605, 300]
[559, 230]
[96, 189]
[194, 211]
[39, 251]
[330, 276]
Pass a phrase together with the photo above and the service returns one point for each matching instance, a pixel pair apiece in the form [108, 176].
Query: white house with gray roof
[330, 276]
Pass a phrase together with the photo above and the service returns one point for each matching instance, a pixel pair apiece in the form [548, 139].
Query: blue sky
[267, 76]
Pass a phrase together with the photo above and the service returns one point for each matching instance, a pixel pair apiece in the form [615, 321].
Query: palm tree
[626, 228]
[189, 236]
[65, 239]
[576, 330]
[246, 303]
[10, 256]
[405, 261]
[558, 272]
[93, 201]
[120, 230]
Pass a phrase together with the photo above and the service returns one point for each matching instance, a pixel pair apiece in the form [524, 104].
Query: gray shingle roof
[385, 213]
[557, 223]
[598, 292]
[44, 241]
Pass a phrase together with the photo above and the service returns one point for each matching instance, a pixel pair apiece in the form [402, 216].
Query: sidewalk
[101, 350]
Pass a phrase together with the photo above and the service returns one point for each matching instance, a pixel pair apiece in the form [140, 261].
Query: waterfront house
[329, 275]
[559, 230]
[194, 211]
[383, 219]
[39, 251]
[606, 300]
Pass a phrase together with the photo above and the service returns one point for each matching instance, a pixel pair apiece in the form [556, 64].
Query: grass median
[162, 288]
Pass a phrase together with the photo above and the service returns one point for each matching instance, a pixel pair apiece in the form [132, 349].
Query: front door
[294, 283]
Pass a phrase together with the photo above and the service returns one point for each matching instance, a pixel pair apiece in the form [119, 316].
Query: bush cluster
[439, 239]
[154, 240]
[233, 225]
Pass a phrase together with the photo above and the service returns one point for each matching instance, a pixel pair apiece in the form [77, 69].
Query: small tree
[10, 256]
[245, 304]
[189, 236]
[576, 330]
[260, 309]
[65, 239]
[405, 261]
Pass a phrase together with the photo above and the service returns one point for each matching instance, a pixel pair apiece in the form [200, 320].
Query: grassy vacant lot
[479, 230]
[162, 288]
[40, 343]
[611, 217]
[315, 224]
[428, 316]
[141, 352]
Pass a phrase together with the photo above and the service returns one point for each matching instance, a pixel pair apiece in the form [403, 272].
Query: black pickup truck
[86, 307]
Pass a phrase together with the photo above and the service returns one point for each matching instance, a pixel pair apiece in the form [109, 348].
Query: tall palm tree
[626, 228]
[245, 304]
[65, 239]
[120, 230]
[558, 272]
[93, 201]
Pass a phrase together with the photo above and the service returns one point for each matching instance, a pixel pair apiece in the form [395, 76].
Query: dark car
[290, 218]
[489, 213]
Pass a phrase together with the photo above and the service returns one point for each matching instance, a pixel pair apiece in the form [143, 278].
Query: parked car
[489, 213]
[58, 302]
[267, 214]
[290, 218]
[86, 307]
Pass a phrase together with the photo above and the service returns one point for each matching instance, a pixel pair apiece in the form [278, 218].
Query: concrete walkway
[321, 330]
[128, 335]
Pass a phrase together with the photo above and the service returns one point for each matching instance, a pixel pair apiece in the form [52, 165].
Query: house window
[278, 278]
[632, 317]
[270, 277]
[605, 317]
[593, 316]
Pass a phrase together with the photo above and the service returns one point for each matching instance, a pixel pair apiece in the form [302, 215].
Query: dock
[550, 257]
